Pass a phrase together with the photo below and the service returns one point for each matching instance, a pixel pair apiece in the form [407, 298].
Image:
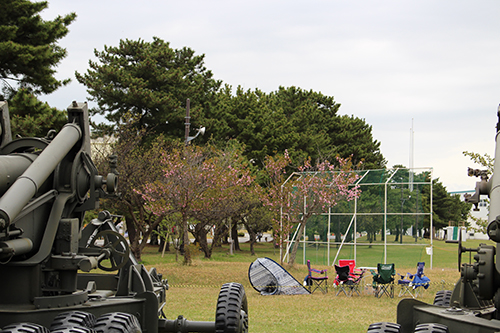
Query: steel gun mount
[47, 255]
[474, 303]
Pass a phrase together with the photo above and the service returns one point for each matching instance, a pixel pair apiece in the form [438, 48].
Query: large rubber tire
[72, 329]
[431, 328]
[231, 315]
[73, 319]
[25, 328]
[443, 298]
[384, 327]
[117, 322]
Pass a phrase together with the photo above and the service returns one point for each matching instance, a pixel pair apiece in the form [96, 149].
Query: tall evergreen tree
[28, 47]
[151, 80]
[306, 123]
[353, 136]
[32, 118]
[446, 208]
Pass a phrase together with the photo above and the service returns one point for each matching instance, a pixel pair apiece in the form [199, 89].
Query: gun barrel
[12, 167]
[26, 186]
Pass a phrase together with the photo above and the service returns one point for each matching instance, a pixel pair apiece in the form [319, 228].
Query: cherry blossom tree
[226, 200]
[305, 193]
[137, 164]
[274, 194]
[203, 184]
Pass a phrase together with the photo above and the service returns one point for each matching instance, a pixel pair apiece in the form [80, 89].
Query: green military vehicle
[473, 306]
[47, 256]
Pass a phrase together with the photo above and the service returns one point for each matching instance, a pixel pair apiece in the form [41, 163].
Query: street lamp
[200, 130]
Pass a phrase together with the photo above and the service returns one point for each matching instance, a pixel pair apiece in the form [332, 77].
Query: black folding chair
[344, 281]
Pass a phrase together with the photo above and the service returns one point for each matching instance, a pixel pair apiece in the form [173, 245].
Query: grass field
[194, 289]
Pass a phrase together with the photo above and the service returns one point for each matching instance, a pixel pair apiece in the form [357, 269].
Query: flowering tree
[274, 194]
[137, 164]
[199, 183]
[226, 200]
[305, 194]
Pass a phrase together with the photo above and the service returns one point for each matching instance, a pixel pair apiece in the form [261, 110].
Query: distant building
[102, 146]
[482, 213]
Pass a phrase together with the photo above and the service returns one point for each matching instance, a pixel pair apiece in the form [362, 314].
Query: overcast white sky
[388, 62]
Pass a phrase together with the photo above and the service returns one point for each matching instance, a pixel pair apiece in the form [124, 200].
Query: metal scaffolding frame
[389, 180]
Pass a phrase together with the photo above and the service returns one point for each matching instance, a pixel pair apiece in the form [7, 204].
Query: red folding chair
[356, 275]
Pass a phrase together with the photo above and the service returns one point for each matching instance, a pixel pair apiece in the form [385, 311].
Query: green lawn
[194, 289]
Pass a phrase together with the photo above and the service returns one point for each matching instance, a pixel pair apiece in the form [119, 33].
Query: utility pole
[187, 122]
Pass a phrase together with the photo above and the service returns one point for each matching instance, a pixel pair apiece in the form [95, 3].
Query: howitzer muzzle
[27, 185]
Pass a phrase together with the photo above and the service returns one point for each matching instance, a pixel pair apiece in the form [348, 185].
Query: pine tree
[28, 56]
[28, 47]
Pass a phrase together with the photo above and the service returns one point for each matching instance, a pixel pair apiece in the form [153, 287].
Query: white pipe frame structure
[355, 213]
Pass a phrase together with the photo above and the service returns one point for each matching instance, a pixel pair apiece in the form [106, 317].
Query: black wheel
[25, 328]
[117, 322]
[73, 319]
[431, 328]
[384, 327]
[443, 298]
[231, 315]
[73, 329]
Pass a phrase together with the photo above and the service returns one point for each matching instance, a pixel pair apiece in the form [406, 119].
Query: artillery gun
[474, 303]
[47, 255]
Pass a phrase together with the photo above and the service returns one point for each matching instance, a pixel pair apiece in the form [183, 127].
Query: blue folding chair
[420, 281]
[410, 283]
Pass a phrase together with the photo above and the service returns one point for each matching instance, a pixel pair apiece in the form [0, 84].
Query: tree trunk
[155, 238]
[219, 233]
[161, 243]
[185, 241]
[201, 238]
[133, 237]
[167, 240]
[234, 236]
[253, 240]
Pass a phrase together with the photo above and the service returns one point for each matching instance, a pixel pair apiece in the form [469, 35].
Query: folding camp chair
[411, 283]
[343, 281]
[406, 286]
[316, 282]
[348, 262]
[383, 280]
[420, 280]
[356, 275]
